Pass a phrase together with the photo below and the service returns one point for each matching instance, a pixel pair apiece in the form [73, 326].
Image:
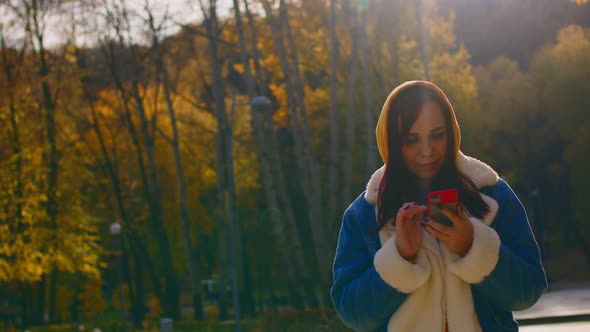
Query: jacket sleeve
[518, 279]
[362, 299]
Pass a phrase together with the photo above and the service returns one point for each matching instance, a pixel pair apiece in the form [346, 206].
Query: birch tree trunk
[291, 103]
[302, 269]
[289, 246]
[370, 118]
[334, 127]
[175, 142]
[322, 246]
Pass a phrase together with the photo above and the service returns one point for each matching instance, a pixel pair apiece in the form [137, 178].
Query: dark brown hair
[399, 184]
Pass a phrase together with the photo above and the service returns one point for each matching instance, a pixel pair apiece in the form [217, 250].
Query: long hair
[399, 184]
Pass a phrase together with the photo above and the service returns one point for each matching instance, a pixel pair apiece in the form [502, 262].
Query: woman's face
[424, 149]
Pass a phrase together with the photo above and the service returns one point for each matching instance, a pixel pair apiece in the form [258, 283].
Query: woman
[395, 269]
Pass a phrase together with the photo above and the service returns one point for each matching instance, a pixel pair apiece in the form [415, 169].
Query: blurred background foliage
[121, 112]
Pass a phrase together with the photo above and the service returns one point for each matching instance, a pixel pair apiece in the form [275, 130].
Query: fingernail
[407, 206]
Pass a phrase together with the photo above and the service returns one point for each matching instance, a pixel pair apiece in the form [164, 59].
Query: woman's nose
[426, 148]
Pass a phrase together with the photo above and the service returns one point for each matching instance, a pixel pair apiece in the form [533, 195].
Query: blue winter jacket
[365, 302]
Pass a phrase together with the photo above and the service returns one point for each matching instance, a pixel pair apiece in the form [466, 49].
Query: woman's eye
[439, 135]
[411, 140]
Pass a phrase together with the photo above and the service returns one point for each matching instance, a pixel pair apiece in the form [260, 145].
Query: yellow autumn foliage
[91, 299]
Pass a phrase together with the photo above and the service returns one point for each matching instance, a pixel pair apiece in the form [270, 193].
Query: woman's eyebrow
[432, 131]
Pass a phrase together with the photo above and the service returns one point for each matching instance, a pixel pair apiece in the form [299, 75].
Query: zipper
[444, 289]
[443, 300]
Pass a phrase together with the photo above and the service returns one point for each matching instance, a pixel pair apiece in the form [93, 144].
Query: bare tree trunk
[134, 240]
[11, 81]
[19, 226]
[246, 297]
[350, 122]
[40, 296]
[291, 104]
[170, 299]
[171, 304]
[267, 175]
[282, 241]
[171, 286]
[270, 149]
[313, 169]
[260, 82]
[224, 265]
[108, 53]
[27, 305]
[334, 127]
[142, 256]
[175, 141]
[422, 36]
[309, 173]
[50, 156]
[322, 245]
[366, 61]
[137, 297]
[225, 271]
[226, 136]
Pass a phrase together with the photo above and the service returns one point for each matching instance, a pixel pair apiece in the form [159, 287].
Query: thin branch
[166, 137]
[197, 32]
[203, 11]
[191, 102]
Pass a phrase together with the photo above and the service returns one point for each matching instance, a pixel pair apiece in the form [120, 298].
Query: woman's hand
[408, 230]
[457, 238]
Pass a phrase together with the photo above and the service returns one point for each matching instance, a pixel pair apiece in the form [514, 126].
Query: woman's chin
[426, 176]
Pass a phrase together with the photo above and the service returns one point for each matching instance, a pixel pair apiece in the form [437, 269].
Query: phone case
[437, 200]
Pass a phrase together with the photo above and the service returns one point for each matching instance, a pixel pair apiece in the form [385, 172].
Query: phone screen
[438, 216]
[435, 206]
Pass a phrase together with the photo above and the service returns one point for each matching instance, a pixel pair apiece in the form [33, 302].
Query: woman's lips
[428, 166]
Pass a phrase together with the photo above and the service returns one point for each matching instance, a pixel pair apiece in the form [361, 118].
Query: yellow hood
[381, 130]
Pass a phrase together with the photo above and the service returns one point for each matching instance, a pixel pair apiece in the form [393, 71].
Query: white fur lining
[480, 173]
[373, 186]
[481, 259]
[399, 273]
[488, 218]
[461, 315]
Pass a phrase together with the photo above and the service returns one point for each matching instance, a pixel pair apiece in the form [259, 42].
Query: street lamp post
[115, 230]
[256, 104]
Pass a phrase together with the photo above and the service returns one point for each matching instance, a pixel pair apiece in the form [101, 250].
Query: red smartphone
[440, 199]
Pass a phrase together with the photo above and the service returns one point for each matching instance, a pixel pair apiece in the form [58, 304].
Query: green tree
[560, 73]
